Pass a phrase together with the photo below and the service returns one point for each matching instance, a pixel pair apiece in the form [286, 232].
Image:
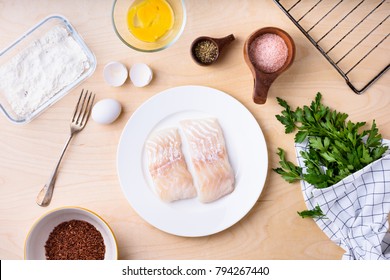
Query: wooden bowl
[220, 43]
[264, 80]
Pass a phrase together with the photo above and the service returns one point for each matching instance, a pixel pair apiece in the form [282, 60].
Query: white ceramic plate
[245, 145]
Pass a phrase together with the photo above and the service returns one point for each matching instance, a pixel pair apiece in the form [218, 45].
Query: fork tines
[83, 108]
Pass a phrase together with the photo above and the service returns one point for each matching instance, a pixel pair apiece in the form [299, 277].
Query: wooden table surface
[88, 178]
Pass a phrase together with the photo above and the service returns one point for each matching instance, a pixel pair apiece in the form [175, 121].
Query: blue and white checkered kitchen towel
[356, 209]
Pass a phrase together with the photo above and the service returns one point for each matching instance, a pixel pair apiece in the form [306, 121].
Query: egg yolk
[149, 20]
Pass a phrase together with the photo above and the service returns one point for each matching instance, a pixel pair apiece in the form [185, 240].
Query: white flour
[41, 70]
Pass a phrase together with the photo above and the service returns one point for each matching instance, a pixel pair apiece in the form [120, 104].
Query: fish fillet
[213, 175]
[167, 166]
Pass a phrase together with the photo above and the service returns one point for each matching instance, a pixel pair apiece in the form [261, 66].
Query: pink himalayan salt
[268, 52]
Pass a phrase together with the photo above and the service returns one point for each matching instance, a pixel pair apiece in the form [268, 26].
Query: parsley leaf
[314, 213]
[288, 117]
[288, 170]
[336, 147]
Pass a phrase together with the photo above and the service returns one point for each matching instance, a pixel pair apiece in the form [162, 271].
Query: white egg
[106, 111]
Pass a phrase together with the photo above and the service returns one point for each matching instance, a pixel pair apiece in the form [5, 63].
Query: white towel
[356, 209]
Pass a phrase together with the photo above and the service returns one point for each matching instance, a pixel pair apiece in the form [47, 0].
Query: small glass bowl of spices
[70, 233]
[206, 50]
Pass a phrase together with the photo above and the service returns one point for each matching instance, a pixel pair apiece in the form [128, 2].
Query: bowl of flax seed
[70, 233]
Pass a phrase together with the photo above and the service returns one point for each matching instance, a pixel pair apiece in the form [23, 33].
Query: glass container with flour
[41, 67]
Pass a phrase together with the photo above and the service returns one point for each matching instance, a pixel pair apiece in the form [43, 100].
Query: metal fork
[77, 123]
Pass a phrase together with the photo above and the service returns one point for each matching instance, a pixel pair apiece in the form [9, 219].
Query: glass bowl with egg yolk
[148, 25]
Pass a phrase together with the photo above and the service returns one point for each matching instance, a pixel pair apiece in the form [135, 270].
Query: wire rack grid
[352, 35]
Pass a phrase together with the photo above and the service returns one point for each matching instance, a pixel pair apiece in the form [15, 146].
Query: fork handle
[46, 193]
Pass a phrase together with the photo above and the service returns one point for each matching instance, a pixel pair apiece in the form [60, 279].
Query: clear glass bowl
[119, 20]
[26, 40]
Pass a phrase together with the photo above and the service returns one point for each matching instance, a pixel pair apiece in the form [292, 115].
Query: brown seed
[75, 240]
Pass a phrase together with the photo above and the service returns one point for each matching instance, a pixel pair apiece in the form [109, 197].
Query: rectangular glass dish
[41, 67]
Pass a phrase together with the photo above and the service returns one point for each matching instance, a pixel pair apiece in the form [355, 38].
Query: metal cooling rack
[351, 35]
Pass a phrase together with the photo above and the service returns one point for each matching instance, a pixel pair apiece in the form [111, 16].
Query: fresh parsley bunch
[336, 148]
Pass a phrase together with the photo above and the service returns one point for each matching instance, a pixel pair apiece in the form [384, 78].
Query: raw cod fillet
[213, 175]
[167, 166]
